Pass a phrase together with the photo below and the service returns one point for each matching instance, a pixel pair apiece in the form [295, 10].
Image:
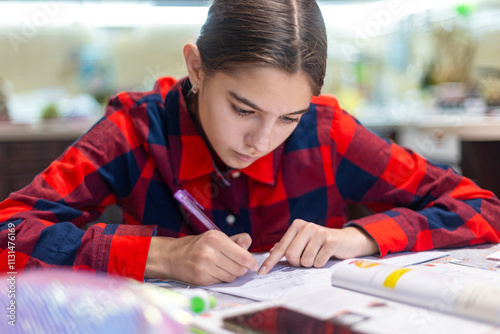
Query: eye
[288, 120]
[242, 112]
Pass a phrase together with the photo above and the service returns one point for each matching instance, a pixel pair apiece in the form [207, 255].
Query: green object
[212, 301]
[199, 304]
[197, 331]
[50, 111]
[465, 9]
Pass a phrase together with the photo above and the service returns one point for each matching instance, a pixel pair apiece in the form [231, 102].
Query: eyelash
[243, 113]
[289, 120]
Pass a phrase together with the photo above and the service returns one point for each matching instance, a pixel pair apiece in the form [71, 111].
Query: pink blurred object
[61, 301]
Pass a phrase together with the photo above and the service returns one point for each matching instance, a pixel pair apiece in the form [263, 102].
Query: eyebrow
[253, 106]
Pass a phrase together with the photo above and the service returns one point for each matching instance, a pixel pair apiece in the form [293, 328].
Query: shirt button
[235, 175]
[230, 219]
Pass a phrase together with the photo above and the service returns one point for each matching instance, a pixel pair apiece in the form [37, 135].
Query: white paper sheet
[284, 280]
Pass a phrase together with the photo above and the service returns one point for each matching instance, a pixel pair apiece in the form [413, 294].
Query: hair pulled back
[286, 34]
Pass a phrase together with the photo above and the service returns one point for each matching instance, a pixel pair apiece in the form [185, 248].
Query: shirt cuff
[386, 232]
[128, 249]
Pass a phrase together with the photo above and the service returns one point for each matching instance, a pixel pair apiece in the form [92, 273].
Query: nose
[260, 138]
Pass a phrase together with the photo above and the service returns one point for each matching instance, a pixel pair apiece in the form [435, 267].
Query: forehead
[272, 89]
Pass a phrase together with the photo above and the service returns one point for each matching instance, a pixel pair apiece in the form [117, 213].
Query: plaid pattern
[146, 147]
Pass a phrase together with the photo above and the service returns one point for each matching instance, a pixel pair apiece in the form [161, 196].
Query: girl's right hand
[204, 259]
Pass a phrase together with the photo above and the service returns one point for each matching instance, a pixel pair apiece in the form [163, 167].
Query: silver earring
[194, 89]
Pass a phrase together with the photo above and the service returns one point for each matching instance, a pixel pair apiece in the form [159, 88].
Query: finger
[230, 268]
[239, 255]
[322, 258]
[310, 253]
[279, 250]
[273, 247]
[217, 275]
[304, 237]
[242, 239]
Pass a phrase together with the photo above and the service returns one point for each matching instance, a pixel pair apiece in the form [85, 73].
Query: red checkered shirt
[147, 146]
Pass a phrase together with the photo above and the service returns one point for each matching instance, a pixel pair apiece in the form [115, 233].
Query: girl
[271, 161]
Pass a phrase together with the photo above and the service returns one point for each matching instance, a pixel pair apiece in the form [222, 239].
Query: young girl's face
[247, 114]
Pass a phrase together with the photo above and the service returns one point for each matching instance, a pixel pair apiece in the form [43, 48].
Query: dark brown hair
[285, 34]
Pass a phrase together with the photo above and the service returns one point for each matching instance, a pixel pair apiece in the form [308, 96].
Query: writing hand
[205, 259]
[308, 244]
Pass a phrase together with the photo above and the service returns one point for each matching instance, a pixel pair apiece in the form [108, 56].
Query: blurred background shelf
[27, 149]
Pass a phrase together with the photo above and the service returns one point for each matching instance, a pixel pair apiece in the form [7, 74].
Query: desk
[479, 138]
[393, 317]
[465, 127]
[468, 143]
[26, 150]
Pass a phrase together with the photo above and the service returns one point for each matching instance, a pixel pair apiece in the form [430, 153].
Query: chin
[240, 165]
[237, 164]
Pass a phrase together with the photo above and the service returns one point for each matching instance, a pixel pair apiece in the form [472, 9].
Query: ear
[193, 63]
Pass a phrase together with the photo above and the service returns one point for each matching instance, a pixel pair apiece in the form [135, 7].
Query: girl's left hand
[308, 244]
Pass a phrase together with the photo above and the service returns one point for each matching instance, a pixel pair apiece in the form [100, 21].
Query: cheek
[228, 130]
[215, 122]
[282, 134]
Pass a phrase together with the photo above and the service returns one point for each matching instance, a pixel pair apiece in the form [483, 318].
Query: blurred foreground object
[58, 301]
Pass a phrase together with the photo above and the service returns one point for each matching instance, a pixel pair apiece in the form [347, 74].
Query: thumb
[242, 239]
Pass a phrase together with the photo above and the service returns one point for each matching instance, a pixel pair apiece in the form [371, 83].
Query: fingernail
[256, 267]
[262, 270]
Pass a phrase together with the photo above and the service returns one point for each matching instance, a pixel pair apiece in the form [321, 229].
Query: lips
[246, 158]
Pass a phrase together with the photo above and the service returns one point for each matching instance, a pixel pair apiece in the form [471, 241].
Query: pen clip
[192, 199]
[195, 209]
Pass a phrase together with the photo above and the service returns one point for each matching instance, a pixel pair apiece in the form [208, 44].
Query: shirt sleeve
[43, 222]
[418, 205]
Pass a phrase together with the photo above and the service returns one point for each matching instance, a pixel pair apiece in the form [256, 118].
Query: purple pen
[193, 207]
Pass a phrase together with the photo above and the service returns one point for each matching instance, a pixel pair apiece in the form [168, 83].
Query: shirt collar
[265, 169]
[195, 158]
